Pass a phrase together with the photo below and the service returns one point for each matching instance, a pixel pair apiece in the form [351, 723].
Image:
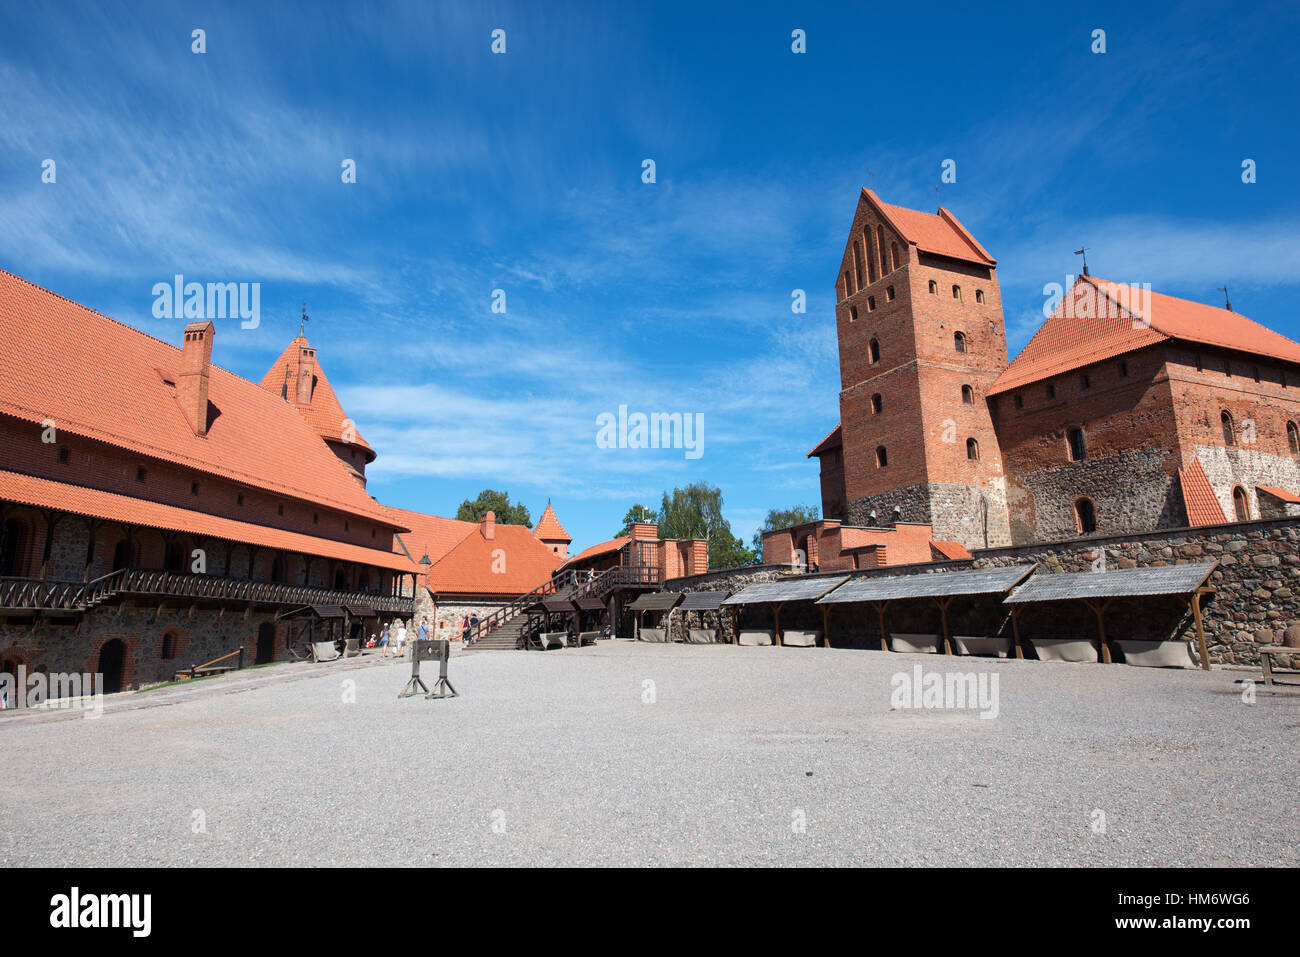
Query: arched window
[1240, 504]
[934, 288]
[857, 261]
[959, 341]
[873, 351]
[1293, 437]
[1078, 451]
[1229, 429]
[967, 394]
[956, 292]
[880, 237]
[889, 294]
[972, 450]
[876, 404]
[882, 457]
[979, 296]
[1085, 516]
[871, 254]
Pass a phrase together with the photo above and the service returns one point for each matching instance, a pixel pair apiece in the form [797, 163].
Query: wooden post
[1200, 629]
[880, 610]
[1015, 630]
[776, 621]
[943, 604]
[1100, 609]
[735, 624]
[826, 626]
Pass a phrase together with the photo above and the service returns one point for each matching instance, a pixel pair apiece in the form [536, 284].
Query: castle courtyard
[655, 754]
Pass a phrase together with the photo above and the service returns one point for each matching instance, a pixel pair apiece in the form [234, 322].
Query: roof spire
[305, 319]
[1083, 251]
[1227, 304]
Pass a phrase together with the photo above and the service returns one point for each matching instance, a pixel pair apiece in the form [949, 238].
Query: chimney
[192, 383]
[306, 373]
[488, 526]
[644, 530]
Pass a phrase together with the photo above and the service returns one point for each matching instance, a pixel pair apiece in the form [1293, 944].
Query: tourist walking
[399, 647]
[384, 639]
[422, 633]
[464, 630]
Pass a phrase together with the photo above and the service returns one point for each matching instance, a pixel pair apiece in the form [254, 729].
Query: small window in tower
[1085, 516]
[967, 395]
[315, 518]
[1229, 428]
[1018, 400]
[1293, 437]
[972, 450]
[893, 249]
[882, 457]
[959, 341]
[239, 499]
[848, 290]
[65, 456]
[871, 303]
[345, 525]
[979, 296]
[1051, 391]
[1123, 370]
[279, 509]
[372, 533]
[1078, 451]
[194, 488]
[873, 351]
[1085, 381]
[956, 292]
[889, 294]
[140, 473]
[876, 404]
[853, 313]
[934, 288]
[1241, 504]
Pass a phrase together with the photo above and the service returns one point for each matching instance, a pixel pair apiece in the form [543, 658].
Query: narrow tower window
[1229, 429]
[1240, 504]
[1085, 516]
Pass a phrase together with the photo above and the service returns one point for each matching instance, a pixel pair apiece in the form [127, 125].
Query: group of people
[393, 635]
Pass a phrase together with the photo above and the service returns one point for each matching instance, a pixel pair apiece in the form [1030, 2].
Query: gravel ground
[550, 759]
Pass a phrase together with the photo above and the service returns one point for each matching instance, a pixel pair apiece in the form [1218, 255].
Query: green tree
[492, 501]
[784, 518]
[637, 513]
[696, 512]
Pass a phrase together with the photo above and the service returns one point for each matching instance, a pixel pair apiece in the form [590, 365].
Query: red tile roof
[613, 545]
[1202, 504]
[429, 535]
[324, 412]
[98, 378]
[549, 527]
[939, 233]
[952, 550]
[512, 562]
[1281, 493]
[833, 438]
[45, 493]
[1099, 319]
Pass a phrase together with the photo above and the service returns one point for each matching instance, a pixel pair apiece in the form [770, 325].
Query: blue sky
[522, 172]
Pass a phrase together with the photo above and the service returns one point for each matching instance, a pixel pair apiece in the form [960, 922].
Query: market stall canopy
[655, 601]
[327, 611]
[797, 589]
[557, 604]
[1122, 583]
[979, 581]
[703, 600]
[588, 603]
[361, 611]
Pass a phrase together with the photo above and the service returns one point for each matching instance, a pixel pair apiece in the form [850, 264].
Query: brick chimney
[306, 374]
[488, 526]
[644, 530]
[699, 556]
[192, 382]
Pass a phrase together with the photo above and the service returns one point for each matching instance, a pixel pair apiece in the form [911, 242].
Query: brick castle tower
[919, 320]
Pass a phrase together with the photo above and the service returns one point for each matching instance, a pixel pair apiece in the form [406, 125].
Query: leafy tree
[696, 512]
[499, 502]
[637, 513]
[784, 518]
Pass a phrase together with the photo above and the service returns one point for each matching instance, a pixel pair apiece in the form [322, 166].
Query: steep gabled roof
[549, 528]
[98, 378]
[834, 437]
[323, 412]
[938, 233]
[1202, 504]
[429, 534]
[512, 562]
[1099, 319]
[613, 545]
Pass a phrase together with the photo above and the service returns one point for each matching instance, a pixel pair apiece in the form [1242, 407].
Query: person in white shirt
[400, 647]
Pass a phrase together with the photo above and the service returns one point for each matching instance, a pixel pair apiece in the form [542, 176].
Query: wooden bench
[914, 644]
[1289, 648]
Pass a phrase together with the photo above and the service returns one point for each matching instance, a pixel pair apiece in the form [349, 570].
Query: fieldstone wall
[913, 503]
[730, 579]
[1257, 580]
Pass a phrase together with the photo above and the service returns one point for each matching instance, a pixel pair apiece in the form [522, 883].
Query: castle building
[158, 511]
[1127, 411]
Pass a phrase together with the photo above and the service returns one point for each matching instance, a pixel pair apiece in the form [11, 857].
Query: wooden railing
[35, 594]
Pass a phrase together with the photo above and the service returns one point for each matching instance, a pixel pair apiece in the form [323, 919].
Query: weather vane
[1227, 304]
[1083, 251]
[305, 319]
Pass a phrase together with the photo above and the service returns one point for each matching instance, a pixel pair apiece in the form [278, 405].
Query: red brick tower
[919, 319]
